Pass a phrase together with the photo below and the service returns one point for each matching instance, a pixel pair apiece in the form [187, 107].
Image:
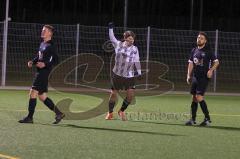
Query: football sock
[194, 107]
[31, 107]
[204, 109]
[124, 105]
[111, 106]
[49, 103]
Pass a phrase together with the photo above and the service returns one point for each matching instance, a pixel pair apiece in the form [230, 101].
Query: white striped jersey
[126, 59]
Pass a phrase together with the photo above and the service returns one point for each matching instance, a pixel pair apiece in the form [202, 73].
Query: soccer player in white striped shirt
[123, 73]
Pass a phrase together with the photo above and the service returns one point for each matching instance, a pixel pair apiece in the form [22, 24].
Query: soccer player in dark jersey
[44, 61]
[123, 73]
[202, 63]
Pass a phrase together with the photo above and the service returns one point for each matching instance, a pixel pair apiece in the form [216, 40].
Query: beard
[200, 44]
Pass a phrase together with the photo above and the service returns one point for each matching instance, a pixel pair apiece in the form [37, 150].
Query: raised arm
[111, 35]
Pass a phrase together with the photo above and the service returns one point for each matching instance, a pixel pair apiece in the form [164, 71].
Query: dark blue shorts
[199, 86]
[40, 82]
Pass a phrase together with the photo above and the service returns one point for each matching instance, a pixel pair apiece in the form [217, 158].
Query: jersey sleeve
[114, 41]
[190, 59]
[137, 62]
[51, 57]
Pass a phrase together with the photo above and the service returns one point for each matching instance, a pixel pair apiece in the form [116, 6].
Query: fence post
[125, 14]
[147, 58]
[216, 54]
[5, 37]
[76, 62]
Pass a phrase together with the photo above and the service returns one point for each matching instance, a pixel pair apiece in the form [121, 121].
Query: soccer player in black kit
[202, 63]
[44, 61]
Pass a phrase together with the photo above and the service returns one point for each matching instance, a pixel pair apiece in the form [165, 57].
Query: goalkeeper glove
[111, 25]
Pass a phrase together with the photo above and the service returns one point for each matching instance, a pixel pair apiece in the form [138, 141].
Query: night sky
[174, 14]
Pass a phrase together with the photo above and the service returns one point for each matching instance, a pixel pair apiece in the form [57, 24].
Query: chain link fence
[169, 47]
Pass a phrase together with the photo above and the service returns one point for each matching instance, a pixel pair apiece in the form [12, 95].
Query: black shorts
[40, 82]
[122, 83]
[199, 86]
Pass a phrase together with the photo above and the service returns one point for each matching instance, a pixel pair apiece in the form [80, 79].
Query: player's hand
[30, 63]
[188, 79]
[210, 73]
[40, 64]
[110, 25]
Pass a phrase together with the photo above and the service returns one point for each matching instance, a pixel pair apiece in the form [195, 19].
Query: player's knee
[129, 98]
[113, 95]
[42, 98]
[199, 98]
[194, 99]
[33, 94]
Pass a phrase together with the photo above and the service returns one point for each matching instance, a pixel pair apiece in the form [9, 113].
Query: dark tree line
[174, 14]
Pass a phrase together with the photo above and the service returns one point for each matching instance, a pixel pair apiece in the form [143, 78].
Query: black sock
[49, 103]
[124, 105]
[31, 107]
[111, 106]
[194, 107]
[204, 109]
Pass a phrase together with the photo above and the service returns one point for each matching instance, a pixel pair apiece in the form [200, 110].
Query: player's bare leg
[111, 104]
[126, 102]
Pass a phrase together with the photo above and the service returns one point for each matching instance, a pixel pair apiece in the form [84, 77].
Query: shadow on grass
[223, 128]
[155, 122]
[197, 126]
[113, 130]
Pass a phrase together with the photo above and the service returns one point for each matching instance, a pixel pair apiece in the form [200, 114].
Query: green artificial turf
[155, 129]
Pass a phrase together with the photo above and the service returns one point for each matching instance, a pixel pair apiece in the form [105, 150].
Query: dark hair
[49, 27]
[204, 34]
[128, 33]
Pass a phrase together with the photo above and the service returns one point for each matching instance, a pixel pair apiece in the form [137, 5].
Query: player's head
[129, 37]
[47, 31]
[202, 39]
